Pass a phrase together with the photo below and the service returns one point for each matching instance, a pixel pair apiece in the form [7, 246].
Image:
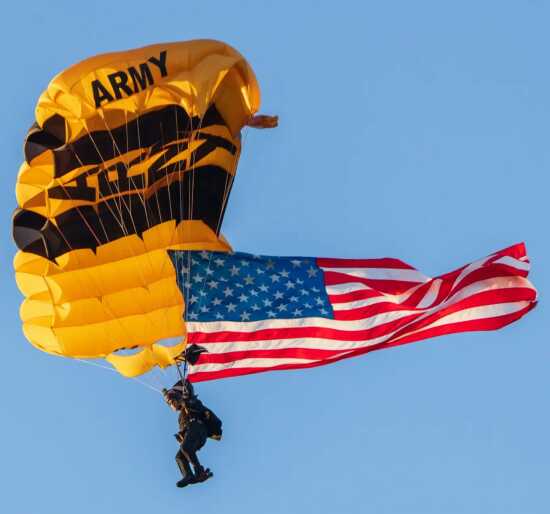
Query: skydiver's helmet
[184, 389]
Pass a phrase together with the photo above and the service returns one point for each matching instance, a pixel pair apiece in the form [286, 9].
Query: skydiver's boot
[185, 481]
[202, 474]
[185, 468]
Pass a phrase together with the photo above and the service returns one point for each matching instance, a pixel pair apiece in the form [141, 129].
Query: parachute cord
[230, 177]
[121, 223]
[86, 268]
[142, 382]
[117, 149]
[186, 284]
[141, 196]
[183, 376]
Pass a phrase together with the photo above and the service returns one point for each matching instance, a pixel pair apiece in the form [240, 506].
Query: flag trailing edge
[260, 313]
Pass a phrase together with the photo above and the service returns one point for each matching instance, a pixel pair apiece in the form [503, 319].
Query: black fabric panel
[152, 129]
[34, 233]
[119, 207]
[39, 140]
[88, 227]
[153, 126]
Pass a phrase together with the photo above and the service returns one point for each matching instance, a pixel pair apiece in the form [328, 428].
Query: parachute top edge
[150, 76]
[106, 58]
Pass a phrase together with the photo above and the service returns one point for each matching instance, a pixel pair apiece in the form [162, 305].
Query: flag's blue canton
[244, 287]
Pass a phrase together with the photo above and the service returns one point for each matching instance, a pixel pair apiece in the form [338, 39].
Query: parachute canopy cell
[132, 153]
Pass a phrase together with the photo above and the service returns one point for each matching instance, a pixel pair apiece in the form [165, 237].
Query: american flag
[258, 313]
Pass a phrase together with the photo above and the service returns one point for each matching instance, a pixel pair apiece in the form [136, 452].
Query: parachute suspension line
[65, 190]
[190, 164]
[165, 314]
[78, 258]
[227, 186]
[98, 241]
[180, 193]
[156, 379]
[168, 187]
[191, 194]
[98, 285]
[92, 275]
[154, 189]
[143, 281]
[229, 183]
[115, 146]
[190, 189]
[142, 382]
[166, 177]
[119, 196]
[120, 224]
[112, 193]
[180, 185]
[180, 188]
[181, 375]
[141, 196]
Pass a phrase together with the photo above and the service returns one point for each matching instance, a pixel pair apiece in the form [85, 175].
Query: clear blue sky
[416, 130]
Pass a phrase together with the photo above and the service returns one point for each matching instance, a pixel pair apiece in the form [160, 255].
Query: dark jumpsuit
[193, 434]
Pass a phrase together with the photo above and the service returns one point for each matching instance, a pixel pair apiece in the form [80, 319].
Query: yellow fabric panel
[100, 339]
[31, 285]
[31, 309]
[126, 302]
[96, 310]
[110, 283]
[42, 338]
[145, 359]
[108, 278]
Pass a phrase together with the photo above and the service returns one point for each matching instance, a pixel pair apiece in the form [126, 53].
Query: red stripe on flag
[360, 294]
[385, 262]
[299, 332]
[333, 278]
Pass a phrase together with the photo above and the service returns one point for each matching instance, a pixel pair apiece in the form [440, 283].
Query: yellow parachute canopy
[132, 153]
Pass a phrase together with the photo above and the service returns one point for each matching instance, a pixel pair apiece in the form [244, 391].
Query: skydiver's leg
[194, 440]
[188, 450]
[185, 468]
[183, 463]
[193, 459]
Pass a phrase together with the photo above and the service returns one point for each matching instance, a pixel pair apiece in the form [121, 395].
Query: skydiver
[196, 424]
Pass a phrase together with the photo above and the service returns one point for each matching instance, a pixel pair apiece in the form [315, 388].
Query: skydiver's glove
[179, 437]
